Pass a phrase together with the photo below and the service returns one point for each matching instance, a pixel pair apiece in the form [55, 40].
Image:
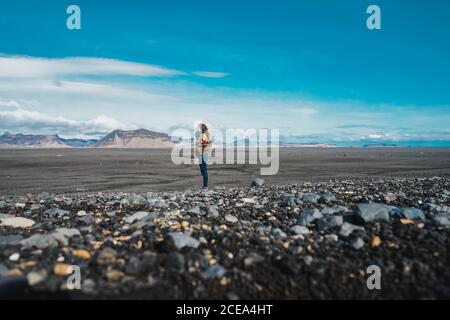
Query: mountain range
[138, 139]
[146, 139]
[9, 140]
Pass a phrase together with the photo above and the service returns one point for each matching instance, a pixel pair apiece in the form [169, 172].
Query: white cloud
[41, 95]
[9, 104]
[33, 67]
[25, 120]
[209, 74]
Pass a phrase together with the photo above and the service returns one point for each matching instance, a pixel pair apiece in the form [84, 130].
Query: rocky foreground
[289, 241]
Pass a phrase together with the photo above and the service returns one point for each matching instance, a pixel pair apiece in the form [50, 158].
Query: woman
[203, 143]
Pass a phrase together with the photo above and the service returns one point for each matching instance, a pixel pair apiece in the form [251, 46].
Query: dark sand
[67, 170]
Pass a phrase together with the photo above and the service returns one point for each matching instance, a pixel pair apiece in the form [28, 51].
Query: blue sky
[310, 68]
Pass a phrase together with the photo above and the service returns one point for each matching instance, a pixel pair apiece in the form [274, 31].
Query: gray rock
[56, 212]
[273, 204]
[308, 260]
[230, 218]
[36, 277]
[288, 200]
[357, 243]
[441, 219]
[213, 211]
[157, 202]
[308, 216]
[17, 222]
[279, 234]
[369, 212]
[39, 241]
[389, 197]
[88, 286]
[258, 182]
[332, 237]
[310, 197]
[136, 200]
[253, 259]
[330, 222]
[181, 240]
[136, 216]
[438, 208]
[412, 213]
[3, 269]
[348, 228]
[107, 256]
[5, 216]
[67, 232]
[334, 209]
[195, 210]
[299, 230]
[215, 271]
[87, 219]
[35, 207]
[249, 200]
[327, 198]
[62, 235]
[10, 240]
[146, 221]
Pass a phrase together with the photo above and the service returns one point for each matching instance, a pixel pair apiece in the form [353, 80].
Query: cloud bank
[27, 121]
[83, 96]
[208, 74]
[37, 67]
[32, 67]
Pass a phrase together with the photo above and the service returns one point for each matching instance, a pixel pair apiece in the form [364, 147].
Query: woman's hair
[203, 127]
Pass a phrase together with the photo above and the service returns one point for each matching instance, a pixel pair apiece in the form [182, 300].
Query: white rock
[182, 240]
[299, 230]
[14, 257]
[332, 237]
[248, 200]
[36, 277]
[17, 222]
[136, 216]
[68, 232]
[230, 218]
[81, 213]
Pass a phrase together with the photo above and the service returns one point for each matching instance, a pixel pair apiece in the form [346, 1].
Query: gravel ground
[299, 241]
[142, 170]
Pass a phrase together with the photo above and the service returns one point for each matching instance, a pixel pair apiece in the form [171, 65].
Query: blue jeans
[204, 169]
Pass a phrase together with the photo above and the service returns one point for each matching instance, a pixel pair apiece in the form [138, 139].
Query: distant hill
[80, 143]
[307, 145]
[9, 140]
[375, 145]
[140, 138]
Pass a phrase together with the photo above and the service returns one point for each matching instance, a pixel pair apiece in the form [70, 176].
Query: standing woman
[203, 143]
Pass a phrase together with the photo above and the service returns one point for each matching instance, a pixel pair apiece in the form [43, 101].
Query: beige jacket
[203, 143]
